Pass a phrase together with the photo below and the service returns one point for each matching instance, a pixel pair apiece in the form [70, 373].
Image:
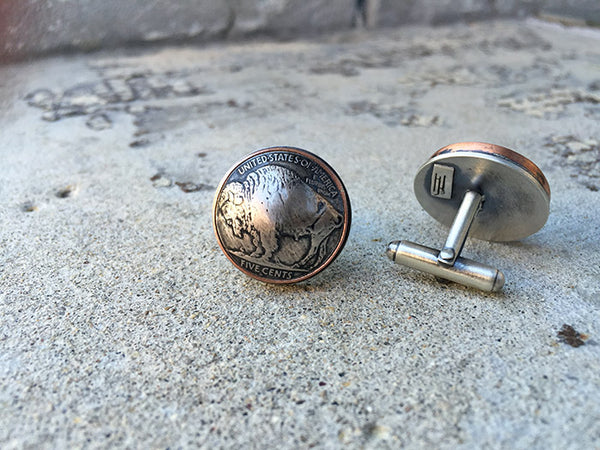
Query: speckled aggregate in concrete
[123, 325]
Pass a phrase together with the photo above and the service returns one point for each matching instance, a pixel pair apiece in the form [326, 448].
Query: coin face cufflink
[281, 215]
[484, 190]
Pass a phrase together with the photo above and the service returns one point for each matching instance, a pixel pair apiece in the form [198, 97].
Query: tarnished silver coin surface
[281, 215]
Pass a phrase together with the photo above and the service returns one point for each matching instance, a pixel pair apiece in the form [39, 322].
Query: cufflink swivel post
[477, 189]
[447, 263]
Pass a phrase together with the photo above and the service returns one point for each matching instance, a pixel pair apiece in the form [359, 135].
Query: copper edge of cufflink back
[281, 215]
[498, 151]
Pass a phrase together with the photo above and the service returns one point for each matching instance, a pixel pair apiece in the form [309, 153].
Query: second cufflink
[281, 215]
[484, 190]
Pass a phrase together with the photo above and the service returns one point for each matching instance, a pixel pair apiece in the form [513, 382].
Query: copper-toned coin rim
[497, 150]
[335, 178]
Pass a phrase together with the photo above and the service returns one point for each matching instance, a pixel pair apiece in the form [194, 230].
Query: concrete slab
[123, 325]
[32, 28]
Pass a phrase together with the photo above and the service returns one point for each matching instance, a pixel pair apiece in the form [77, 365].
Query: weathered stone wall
[37, 27]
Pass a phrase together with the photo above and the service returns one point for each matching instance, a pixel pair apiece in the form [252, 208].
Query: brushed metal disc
[516, 193]
[281, 215]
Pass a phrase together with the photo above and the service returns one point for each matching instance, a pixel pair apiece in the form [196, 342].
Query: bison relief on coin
[281, 215]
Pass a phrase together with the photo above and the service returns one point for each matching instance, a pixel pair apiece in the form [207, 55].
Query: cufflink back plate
[484, 190]
[281, 215]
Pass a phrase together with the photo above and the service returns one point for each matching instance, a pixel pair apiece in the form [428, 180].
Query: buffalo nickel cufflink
[484, 190]
[281, 215]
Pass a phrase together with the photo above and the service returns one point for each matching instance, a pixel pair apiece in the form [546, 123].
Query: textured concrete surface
[123, 325]
[37, 27]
